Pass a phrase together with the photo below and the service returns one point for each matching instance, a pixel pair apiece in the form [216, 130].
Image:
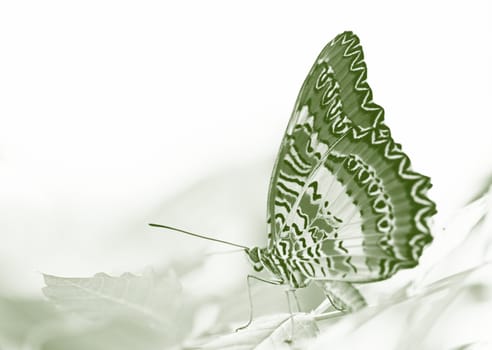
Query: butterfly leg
[293, 291]
[298, 305]
[343, 296]
[276, 283]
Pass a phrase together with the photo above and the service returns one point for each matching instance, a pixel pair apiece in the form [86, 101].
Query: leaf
[125, 312]
[19, 317]
[406, 322]
[267, 332]
[116, 334]
[36, 324]
[476, 345]
[102, 297]
[440, 302]
[461, 245]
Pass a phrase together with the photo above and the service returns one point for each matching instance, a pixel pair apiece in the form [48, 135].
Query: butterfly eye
[258, 267]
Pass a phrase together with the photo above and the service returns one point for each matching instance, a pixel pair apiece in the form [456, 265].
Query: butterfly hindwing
[341, 187]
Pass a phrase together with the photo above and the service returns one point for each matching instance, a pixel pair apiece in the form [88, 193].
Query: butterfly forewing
[342, 192]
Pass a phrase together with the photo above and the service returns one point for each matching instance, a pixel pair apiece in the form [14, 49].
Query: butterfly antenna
[197, 235]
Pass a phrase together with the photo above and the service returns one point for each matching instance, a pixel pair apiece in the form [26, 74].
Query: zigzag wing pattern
[342, 191]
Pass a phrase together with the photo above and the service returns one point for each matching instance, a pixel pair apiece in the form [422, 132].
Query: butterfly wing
[341, 189]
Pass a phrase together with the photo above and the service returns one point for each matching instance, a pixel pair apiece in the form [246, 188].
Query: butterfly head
[255, 257]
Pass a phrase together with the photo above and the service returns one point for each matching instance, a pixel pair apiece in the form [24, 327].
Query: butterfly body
[343, 206]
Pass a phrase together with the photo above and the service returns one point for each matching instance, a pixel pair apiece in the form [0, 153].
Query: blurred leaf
[461, 245]
[476, 345]
[18, 317]
[116, 334]
[484, 187]
[267, 332]
[404, 322]
[440, 302]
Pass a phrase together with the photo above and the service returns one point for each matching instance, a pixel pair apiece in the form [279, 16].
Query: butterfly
[344, 206]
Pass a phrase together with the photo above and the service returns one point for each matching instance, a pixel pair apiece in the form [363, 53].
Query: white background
[109, 110]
